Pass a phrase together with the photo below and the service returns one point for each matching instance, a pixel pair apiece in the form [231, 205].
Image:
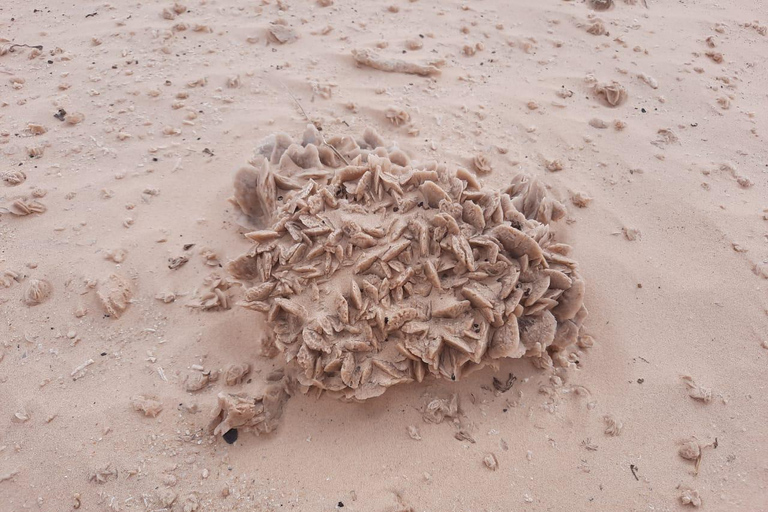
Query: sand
[119, 140]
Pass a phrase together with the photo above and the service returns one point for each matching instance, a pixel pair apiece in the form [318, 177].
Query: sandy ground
[172, 107]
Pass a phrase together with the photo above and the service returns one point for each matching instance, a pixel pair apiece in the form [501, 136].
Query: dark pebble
[230, 436]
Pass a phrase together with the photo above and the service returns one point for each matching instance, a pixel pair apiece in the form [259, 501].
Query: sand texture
[316, 255]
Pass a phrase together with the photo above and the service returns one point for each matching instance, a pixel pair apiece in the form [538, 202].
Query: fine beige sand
[122, 125]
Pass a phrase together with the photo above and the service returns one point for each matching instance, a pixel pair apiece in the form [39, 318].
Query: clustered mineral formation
[375, 270]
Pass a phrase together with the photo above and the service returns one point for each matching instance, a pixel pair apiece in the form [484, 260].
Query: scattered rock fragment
[213, 294]
[75, 118]
[760, 29]
[13, 178]
[631, 234]
[260, 413]
[491, 462]
[116, 255]
[613, 427]
[690, 497]
[36, 129]
[281, 34]
[724, 102]
[463, 435]
[397, 116]
[597, 28]
[366, 57]
[649, 80]
[166, 498]
[600, 5]
[9, 277]
[233, 82]
[413, 433]
[665, 137]
[743, 181]
[482, 164]
[612, 94]
[690, 450]
[235, 373]
[103, 475]
[191, 503]
[150, 405]
[115, 295]
[195, 381]
[24, 206]
[21, 416]
[580, 199]
[177, 262]
[37, 292]
[696, 391]
[35, 151]
[555, 165]
[437, 409]
[715, 56]
[81, 370]
[166, 297]
[210, 257]
[9, 475]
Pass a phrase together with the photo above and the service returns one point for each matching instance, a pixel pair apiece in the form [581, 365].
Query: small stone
[230, 436]
[490, 462]
[631, 234]
[690, 497]
[555, 165]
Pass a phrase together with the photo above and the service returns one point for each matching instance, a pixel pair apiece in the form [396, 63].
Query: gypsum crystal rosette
[374, 270]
